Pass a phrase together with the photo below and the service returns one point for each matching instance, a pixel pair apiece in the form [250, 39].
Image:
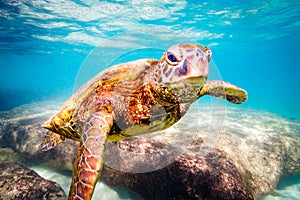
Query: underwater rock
[189, 176]
[17, 182]
[21, 134]
[244, 159]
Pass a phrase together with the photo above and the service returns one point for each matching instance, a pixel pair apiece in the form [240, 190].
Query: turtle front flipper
[225, 90]
[89, 159]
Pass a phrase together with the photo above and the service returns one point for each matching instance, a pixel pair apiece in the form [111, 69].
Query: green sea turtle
[131, 99]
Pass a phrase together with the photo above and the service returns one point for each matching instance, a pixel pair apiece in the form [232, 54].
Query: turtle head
[183, 69]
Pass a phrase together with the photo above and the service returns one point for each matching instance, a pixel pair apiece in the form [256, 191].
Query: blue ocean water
[45, 45]
[255, 44]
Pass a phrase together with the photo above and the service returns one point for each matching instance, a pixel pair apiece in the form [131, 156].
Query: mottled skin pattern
[131, 99]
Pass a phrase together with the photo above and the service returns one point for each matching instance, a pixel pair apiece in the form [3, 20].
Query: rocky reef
[18, 182]
[230, 153]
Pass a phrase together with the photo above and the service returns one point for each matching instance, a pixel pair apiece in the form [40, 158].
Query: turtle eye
[171, 57]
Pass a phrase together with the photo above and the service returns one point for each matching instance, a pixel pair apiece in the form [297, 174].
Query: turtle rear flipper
[89, 159]
[51, 140]
[225, 90]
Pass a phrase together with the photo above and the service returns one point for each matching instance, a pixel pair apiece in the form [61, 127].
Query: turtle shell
[117, 86]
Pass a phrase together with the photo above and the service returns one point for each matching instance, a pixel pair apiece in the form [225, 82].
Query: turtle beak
[197, 66]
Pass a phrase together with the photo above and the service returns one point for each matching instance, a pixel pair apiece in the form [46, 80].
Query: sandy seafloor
[288, 187]
[102, 191]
